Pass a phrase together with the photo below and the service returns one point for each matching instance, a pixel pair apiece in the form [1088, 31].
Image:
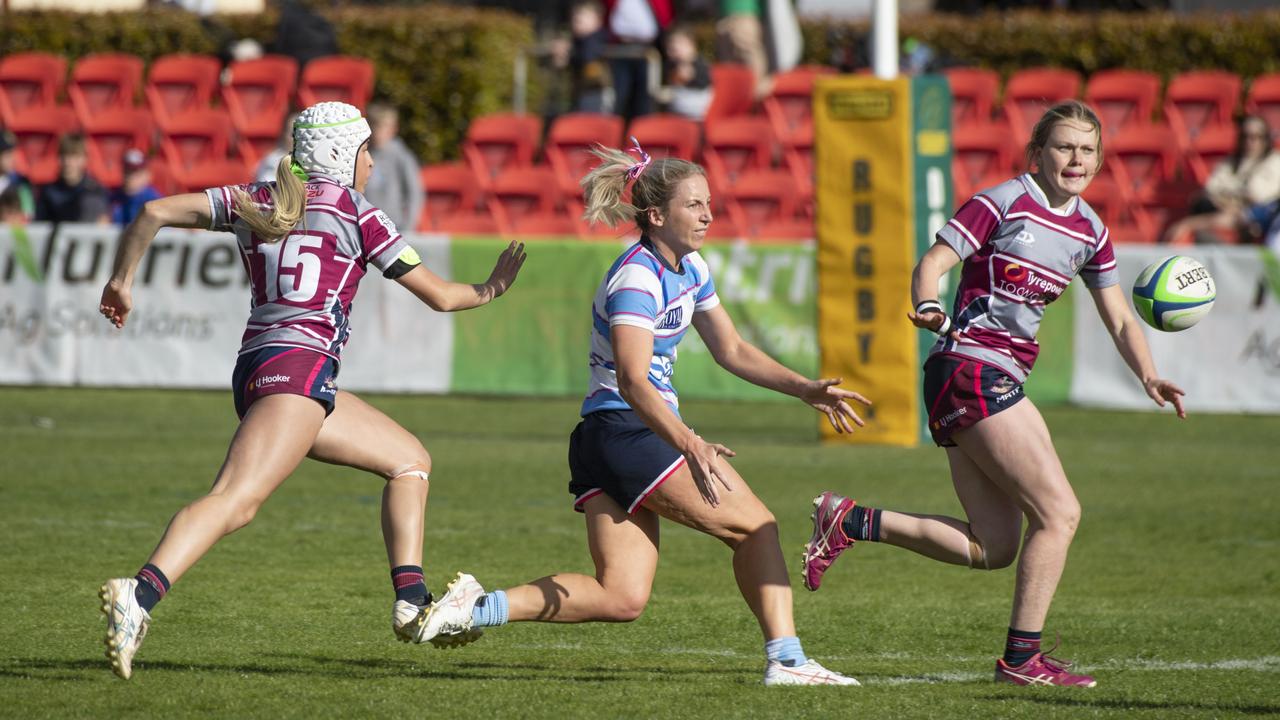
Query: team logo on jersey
[329, 387]
[1024, 238]
[671, 320]
[313, 190]
[1077, 261]
[1016, 279]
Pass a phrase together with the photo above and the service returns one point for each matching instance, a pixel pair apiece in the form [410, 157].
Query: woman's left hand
[1163, 391]
[826, 398]
[505, 270]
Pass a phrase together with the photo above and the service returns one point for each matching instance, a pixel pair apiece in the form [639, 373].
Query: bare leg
[625, 551]
[270, 442]
[1015, 451]
[358, 435]
[743, 523]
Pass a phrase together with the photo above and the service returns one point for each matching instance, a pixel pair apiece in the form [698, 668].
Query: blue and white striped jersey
[640, 289]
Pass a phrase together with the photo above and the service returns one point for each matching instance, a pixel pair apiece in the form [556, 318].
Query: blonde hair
[1066, 110]
[288, 202]
[654, 187]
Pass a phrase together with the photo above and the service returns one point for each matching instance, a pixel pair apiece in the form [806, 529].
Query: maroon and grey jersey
[1019, 256]
[303, 284]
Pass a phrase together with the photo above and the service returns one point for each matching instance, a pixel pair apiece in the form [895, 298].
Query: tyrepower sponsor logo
[1017, 279]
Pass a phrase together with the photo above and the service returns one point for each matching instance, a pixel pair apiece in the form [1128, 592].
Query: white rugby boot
[448, 622]
[127, 624]
[408, 620]
[810, 673]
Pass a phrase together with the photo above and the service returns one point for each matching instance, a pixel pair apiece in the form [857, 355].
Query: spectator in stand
[395, 187]
[591, 85]
[135, 191]
[75, 196]
[12, 181]
[303, 34]
[740, 39]
[687, 78]
[634, 27]
[266, 171]
[11, 207]
[1242, 192]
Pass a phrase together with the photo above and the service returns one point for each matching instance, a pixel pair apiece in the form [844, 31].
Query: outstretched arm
[446, 296]
[190, 210]
[1132, 344]
[750, 363]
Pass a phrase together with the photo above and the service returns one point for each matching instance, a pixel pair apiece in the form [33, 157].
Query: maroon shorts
[960, 391]
[291, 370]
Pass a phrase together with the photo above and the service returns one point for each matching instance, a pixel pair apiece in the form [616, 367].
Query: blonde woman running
[632, 459]
[306, 239]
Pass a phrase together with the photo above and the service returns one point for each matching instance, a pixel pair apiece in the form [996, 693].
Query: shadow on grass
[436, 668]
[1080, 702]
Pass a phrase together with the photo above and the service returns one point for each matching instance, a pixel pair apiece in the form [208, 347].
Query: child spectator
[11, 181]
[75, 196]
[136, 190]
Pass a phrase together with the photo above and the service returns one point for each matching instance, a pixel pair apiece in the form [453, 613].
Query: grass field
[1171, 596]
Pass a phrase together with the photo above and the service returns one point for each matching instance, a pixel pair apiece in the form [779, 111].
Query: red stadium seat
[797, 157]
[1126, 221]
[520, 191]
[1195, 100]
[32, 79]
[37, 130]
[1032, 91]
[337, 77]
[789, 103]
[973, 94]
[665, 135]
[1122, 97]
[161, 178]
[1146, 158]
[108, 134]
[979, 153]
[195, 139]
[451, 189]
[477, 222]
[212, 173]
[761, 198]
[181, 84]
[495, 142]
[1213, 145]
[736, 145]
[786, 229]
[1264, 100]
[569, 142]
[104, 81]
[257, 93]
[553, 224]
[733, 91]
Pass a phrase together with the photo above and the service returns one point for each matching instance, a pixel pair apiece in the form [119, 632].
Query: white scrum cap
[326, 138]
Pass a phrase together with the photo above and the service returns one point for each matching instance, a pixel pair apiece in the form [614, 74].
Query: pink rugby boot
[828, 539]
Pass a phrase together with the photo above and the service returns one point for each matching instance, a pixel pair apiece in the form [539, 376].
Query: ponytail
[654, 186]
[288, 201]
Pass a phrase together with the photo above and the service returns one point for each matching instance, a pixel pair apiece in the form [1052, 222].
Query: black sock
[152, 586]
[407, 580]
[862, 523]
[1020, 646]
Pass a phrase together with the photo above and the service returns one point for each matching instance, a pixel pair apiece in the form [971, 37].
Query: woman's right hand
[505, 270]
[931, 321]
[704, 464]
[116, 303]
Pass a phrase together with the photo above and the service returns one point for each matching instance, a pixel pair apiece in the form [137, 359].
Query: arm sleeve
[706, 297]
[632, 297]
[971, 226]
[380, 241]
[222, 214]
[1100, 271]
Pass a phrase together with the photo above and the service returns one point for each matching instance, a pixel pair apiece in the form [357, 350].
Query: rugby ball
[1173, 293]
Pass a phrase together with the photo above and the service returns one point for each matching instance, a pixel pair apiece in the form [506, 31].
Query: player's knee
[628, 605]
[756, 523]
[992, 551]
[1063, 517]
[241, 512]
[418, 469]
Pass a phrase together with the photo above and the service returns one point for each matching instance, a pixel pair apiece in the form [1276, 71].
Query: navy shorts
[291, 370]
[615, 453]
[960, 391]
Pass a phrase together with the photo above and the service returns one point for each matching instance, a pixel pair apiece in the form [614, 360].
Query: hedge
[443, 64]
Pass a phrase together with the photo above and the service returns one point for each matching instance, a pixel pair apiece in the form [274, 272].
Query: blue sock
[786, 650]
[490, 610]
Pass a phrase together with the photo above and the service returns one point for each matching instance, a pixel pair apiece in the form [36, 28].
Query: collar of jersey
[647, 244]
